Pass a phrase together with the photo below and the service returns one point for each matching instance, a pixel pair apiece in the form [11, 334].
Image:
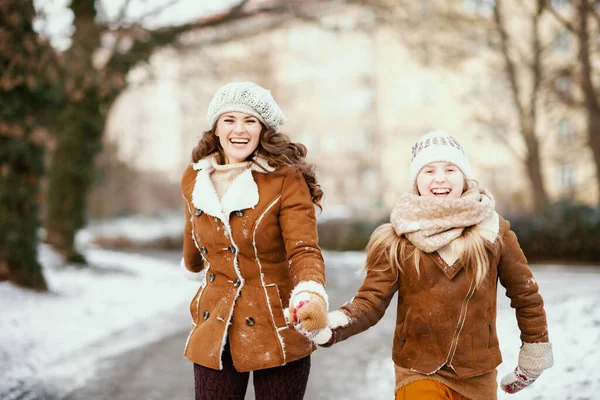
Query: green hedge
[564, 231]
[346, 234]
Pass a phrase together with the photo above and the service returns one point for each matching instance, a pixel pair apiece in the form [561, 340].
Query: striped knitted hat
[438, 146]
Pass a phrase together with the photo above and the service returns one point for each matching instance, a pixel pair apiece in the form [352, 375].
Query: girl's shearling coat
[250, 250]
[441, 319]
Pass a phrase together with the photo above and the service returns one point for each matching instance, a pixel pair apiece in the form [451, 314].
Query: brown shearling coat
[440, 318]
[251, 250]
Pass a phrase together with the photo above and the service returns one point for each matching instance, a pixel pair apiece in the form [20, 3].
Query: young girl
[251, 239]
[444, 252]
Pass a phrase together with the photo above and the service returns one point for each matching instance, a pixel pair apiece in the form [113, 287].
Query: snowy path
[129, 313]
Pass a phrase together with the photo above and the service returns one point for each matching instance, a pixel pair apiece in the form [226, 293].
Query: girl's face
[239, 135]
[440, 179]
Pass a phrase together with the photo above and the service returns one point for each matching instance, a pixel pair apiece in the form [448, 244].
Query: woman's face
[239, 134]
[440, 179]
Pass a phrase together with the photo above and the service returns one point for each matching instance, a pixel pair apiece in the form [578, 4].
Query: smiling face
[239, 135]
[440, 179]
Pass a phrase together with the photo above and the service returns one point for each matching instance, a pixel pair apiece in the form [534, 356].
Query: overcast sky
[57, 23]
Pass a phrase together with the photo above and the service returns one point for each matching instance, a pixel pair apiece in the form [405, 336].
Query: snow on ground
[83, 308]
[84, 316]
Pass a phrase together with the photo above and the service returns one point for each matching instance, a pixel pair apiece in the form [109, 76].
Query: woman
[251, 239]
[444, 251]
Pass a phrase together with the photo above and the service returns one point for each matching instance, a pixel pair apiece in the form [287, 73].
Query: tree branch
[511, 70]
[498, 130]
[146, 41]
[565, 23]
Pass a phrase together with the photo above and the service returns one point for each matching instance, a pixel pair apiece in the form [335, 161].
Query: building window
[565, 132]
[559, 4]
[564, 84]
[567, 175]
[484, 8]
[562, 42]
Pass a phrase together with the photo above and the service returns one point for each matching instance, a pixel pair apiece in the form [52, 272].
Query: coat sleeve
[522, 289]
[369, 305]
[191, 262]
[298, 224]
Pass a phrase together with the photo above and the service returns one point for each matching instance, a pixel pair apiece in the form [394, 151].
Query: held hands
[534, 358]
[309, 316]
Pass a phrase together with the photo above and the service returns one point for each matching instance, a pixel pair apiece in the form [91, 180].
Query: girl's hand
[534, 358]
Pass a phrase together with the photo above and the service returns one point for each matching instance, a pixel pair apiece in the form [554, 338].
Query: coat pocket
[275, 304]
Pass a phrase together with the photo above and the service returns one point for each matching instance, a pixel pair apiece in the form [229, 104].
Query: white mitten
[534, 358]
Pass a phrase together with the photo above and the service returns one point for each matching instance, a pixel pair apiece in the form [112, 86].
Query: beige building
[357, 94]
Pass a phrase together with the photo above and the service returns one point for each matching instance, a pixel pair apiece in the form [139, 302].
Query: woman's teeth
[239, 141]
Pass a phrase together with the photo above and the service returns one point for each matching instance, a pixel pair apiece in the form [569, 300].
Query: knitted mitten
[311, 313]
[534, 358]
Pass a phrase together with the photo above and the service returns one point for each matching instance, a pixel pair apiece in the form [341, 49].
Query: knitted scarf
[431, 223]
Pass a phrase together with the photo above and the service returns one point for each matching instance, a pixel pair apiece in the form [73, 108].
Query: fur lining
[536, 357]
[312, 287]
[338, 319]
[242, 194]
[192, 276]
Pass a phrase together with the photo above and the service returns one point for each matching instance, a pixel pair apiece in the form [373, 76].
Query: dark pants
[280, 383]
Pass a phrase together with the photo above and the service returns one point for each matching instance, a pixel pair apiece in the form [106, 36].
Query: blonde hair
[474, 250]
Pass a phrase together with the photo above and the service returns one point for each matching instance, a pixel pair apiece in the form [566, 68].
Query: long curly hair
[276, 148]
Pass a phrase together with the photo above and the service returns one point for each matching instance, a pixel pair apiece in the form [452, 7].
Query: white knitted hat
[438, 146]
[249, 98]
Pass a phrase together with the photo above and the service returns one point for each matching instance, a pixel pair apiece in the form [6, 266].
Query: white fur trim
[337, 319]
[311, 287]
[323, 336]
[536, 357]
[192, 276]
[242, 194]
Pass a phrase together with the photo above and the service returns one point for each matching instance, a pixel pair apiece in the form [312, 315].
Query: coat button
[205, 314]
[204, 250]
[239, 213]
[211, 277]
[249, 321]
[231, 249]
[198, 212]
[237, 282]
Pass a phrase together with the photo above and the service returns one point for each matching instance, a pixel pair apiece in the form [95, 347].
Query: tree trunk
[594, 143]
[534, 174]
[71, 174]
[587, 85]
[27, 67]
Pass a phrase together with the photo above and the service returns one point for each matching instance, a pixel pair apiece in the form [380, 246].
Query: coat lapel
[446, 258]
[242, 194]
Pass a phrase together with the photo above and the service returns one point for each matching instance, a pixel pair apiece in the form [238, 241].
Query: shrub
[564, 231]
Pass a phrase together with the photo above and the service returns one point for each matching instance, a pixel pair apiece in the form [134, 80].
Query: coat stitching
[258, 221]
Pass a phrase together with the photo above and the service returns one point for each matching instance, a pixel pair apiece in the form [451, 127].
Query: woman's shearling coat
[251, 250]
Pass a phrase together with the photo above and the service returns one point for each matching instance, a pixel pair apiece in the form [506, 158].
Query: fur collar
[242, 194]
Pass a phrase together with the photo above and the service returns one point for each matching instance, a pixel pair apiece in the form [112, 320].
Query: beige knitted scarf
[431, 223]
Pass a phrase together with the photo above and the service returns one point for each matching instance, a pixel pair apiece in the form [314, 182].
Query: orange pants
[427, 389]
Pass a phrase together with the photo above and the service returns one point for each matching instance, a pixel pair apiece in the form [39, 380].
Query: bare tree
[584, 24]
[91, 87]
